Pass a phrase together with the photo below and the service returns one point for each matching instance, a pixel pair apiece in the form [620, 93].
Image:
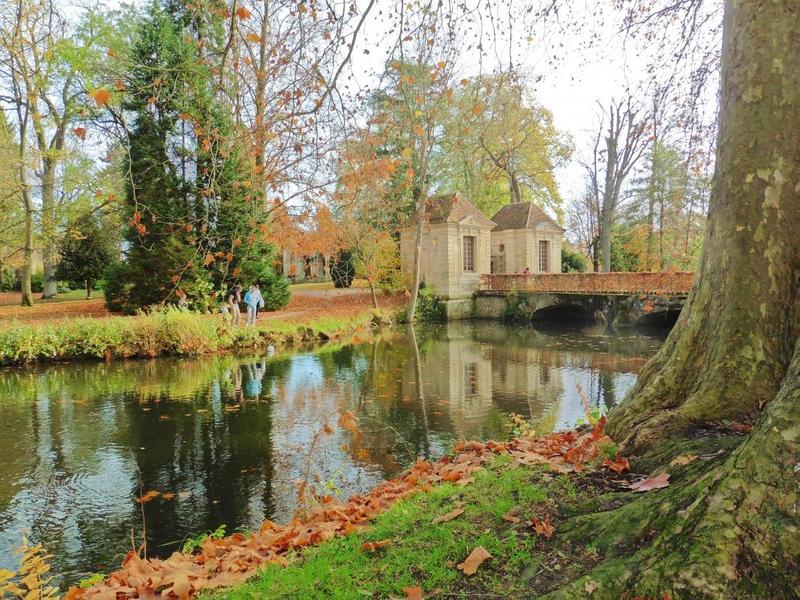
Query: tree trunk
[372, 292]
[606, 223]
[729, 352]
[49, 252]
[27, 268]
[88, 290]
[412, 309]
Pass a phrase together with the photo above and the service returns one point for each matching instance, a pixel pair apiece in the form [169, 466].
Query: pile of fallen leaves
[233, 559]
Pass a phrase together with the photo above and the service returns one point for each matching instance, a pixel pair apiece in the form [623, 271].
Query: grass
[170, 332]
[422, 554]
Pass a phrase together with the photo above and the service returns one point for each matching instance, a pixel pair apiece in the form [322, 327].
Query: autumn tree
[501, 145]
[620, 142]
[364, 210]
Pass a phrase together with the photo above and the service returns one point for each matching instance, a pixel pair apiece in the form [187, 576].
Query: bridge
[646, 298]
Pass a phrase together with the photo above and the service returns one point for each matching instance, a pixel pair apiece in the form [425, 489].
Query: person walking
[252, 299]
[234, 299]
[260, 305]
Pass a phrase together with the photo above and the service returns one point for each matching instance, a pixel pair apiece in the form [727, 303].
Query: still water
[227, 439]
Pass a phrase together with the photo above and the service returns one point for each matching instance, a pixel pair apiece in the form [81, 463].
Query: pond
[226, 440]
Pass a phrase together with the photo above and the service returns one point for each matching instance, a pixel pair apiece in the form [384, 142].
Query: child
[234, 298]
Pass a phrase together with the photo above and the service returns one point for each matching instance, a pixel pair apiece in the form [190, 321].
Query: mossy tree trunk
[729, 352]
[732, 531]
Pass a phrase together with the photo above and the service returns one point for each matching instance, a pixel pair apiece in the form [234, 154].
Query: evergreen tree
[86, 252]
[195, 224]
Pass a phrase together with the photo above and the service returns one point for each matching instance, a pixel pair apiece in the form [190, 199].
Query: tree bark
[730, 350]
[412, 309]
[49, 252]
[372, 292]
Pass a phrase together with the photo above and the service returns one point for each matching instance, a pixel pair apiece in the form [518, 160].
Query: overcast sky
[574, 64]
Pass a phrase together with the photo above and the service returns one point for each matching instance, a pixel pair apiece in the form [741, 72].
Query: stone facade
[525, 237]
[459, 244]
[455, 247]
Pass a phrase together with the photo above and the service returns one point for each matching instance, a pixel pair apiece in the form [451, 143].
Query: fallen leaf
[372, 546]
[618, 465]
[413, 593]
[590, 586]
[448, 516]
[544, 528]
[511, 516]
[148, 496]
[651, 483]
[347, 420]
[474, 560]
[684, 460]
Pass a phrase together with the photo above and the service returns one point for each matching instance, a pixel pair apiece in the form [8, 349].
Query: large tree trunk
[729, 352]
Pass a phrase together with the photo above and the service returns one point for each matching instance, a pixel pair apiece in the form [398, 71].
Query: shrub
[8, 279]
[572, 261]
[275, 290]
[429, 307]
[342, 269]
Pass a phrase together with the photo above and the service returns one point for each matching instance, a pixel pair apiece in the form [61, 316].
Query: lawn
[421, 553]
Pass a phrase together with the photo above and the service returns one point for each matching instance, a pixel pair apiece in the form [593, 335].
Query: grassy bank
[600, 526]
[422, 554]
[168, 333]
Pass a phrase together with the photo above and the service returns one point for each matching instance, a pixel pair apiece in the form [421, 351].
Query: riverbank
[561, 516]
[169, 333]
[54, 332]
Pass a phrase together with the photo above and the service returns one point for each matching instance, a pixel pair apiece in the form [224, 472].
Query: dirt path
[304, 305]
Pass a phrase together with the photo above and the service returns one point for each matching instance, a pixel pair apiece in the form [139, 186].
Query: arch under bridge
[646, 298]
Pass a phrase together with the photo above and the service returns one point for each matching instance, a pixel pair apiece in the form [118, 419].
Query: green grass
[422, 554]
[170, 332]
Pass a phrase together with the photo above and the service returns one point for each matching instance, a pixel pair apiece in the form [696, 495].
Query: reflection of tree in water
[233, 433]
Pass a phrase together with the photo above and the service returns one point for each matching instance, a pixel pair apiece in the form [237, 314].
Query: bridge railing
[669, 283]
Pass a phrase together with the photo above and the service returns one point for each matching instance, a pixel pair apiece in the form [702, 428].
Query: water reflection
[230, 437]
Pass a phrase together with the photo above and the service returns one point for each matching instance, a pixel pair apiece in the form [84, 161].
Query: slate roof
[521, 215]
[452, 208]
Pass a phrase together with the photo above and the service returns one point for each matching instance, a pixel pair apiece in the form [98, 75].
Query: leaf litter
[234, 559]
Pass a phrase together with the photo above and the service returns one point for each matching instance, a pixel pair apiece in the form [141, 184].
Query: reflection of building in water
[456, 381]
[529, 373]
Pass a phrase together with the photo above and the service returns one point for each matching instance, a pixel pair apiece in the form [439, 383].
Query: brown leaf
[372, 546]
[447, 516]
[347, 420]
[684, 460]
[474, 560]
[652, 483]
[80, 132]
[618, 465]
[511, 516]
[544, 528]
[242, 13]
[590, 586]
[413, 593]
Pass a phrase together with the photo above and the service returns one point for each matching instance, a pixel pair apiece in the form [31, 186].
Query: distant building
[455, 248]
[459, 244]
[525, 237]
[297, 267]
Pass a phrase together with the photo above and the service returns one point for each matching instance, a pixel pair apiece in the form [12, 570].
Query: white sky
[570, 86]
